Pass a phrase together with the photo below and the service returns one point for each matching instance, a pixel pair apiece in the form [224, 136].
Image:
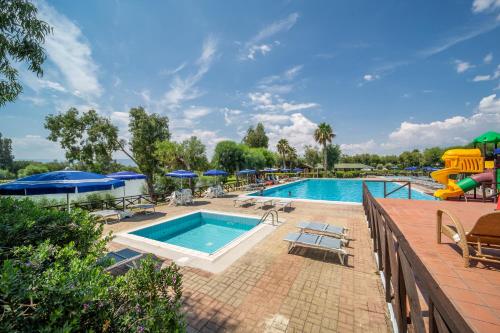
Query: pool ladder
[273, 213]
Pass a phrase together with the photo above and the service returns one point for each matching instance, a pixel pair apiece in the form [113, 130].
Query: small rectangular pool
[343, 190]
[200, 231]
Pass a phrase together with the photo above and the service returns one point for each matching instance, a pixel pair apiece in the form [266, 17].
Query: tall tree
[87, 138]
[324, 135]
[283, 148]
[21, 37]
[189, 154]
[229, 156]
[6, 157]
[332, 155]
[146, 130]
[256, 138]
[312, 155]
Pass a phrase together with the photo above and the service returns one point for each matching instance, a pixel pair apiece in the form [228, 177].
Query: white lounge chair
[219, 191]
[315, 241]
[106, 214]
[187, 196]
[210, 193]
[261, 202]
[143, 207]
[283, 204]
[324, 229]
[240, 201]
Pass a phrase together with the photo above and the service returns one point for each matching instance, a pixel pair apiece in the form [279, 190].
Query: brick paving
[269, 290]
[474, 291]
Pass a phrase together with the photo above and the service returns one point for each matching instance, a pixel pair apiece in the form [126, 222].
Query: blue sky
[387, 75]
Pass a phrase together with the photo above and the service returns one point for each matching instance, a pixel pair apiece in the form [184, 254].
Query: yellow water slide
[457, 161]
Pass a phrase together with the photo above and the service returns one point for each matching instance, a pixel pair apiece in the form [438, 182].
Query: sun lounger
[283, 204]
[143, 207]
[324, 229]
[106, 214]
[315, 241]
[261, 202]
[485, 234]
[123, 260]
[240, 201]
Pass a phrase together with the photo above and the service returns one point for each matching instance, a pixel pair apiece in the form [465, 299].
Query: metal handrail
[271, 212]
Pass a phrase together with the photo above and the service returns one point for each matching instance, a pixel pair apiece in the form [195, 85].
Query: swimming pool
[344, 190]
[200, 231]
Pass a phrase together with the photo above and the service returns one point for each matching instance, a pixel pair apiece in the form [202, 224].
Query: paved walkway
[269, 290]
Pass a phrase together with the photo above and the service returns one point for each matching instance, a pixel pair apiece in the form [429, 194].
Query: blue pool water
[348, 190]
[201, 231]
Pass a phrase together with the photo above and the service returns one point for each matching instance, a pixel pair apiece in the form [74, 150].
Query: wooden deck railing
[406, 279]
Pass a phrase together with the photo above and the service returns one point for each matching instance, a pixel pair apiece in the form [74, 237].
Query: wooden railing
[406, 279]
[405, 183]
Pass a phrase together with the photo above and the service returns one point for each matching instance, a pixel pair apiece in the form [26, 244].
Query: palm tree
[283, 148]
[324, 135]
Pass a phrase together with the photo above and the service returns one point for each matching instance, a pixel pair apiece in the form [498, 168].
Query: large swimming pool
[201, 231]
[346, 190]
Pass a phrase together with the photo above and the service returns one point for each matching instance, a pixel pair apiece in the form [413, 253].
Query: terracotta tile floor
[269, 290]
[474, 291]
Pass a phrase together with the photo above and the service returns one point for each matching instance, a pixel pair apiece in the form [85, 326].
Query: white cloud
[194, 113]
[230, 115]
[173, 70]
[462, 66]
[36, 101]
[479, 78]
[298, 131]
[36, 147]
[488, 58]
[484, 5]
[68, 49]
[271, 118]
[358, 148]
[184, 89]
[450, 131]
[266, 101]
[281, 83]
[257, 43]
[370, 77]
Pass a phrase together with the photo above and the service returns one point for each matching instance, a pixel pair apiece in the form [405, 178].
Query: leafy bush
[33, 169]
[52, 278]
[98, 201]
[6, 174]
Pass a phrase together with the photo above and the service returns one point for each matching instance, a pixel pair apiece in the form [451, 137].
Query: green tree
[332, 155]
[6, 157]
[312, 155]
[324, 135]
[229, 156]
[189, 154]
[21, 37]
[146, 130]
[432, 156]
[283, 148]
[87, 138]
[256, 138]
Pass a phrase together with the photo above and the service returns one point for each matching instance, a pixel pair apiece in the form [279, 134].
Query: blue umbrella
[286, 170]
[67, 181]
[270, 170]
[297, 170]
[412, 168]
[182, 174]
[215, 173]
[246, 172]
[126, 175]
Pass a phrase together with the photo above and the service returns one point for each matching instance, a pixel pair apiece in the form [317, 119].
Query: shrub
[6, 174]
[52, 278]
[32, 169]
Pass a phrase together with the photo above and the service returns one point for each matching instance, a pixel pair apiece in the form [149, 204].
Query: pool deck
[269, 290]
[474, 291]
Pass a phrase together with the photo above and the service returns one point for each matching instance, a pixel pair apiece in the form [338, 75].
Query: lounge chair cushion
[314, 240]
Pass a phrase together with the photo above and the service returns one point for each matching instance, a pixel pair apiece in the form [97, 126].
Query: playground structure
[470, 169]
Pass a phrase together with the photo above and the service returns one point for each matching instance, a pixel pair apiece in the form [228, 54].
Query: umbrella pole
[67, 202]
